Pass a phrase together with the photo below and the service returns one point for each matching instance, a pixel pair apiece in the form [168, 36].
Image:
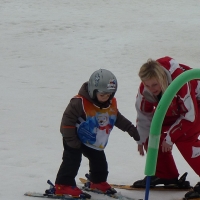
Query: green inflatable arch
[156, 124]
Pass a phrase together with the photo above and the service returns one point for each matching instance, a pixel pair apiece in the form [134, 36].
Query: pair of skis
[67, 197]
[50, 194]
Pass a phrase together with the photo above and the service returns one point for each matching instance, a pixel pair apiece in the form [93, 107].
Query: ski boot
[153, 182]
[102, 187]
[195, 193]
[65, 190]
[173, 183]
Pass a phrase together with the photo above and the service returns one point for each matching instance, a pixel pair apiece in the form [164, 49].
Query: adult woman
[181, 125]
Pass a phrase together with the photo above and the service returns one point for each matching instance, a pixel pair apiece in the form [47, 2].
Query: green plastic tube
[156, 124]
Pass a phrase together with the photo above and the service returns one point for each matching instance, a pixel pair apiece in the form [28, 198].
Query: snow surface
[49, 48]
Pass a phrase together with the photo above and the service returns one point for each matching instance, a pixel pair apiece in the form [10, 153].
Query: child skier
[86, 125]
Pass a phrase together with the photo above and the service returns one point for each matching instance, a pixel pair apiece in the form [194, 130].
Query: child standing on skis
[86, 125]
[181, 125]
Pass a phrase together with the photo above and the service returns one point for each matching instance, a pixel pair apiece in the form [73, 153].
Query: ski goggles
[104, 93]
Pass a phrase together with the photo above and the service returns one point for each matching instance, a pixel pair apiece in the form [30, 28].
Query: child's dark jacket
[75, 110]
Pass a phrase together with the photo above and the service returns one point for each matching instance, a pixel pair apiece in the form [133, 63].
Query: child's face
[103, 97]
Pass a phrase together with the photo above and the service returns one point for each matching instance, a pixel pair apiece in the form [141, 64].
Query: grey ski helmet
[102, 80]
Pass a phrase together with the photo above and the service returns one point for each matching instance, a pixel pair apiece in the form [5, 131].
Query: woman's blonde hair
[153, 69]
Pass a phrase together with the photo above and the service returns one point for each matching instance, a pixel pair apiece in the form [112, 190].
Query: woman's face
[153, 86]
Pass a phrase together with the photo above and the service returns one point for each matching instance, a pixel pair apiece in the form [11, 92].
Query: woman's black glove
[132, 131]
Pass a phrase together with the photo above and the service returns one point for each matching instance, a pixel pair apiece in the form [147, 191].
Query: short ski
[188, 198]
[40, 195]
[191, 199]
[159, 188]
[50, 194]
[110, 192]
[117, 195]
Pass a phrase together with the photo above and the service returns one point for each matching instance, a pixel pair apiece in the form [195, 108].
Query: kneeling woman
[181, 125]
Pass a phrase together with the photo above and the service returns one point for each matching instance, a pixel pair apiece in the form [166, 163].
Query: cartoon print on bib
[94, 131]
[103, 130]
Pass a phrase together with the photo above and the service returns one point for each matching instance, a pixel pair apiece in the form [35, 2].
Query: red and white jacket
[182, 112]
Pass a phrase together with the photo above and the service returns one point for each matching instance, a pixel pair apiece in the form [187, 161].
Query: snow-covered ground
[49, 48]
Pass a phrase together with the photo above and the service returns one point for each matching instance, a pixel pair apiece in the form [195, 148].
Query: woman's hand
[166, 147]
[141, 149]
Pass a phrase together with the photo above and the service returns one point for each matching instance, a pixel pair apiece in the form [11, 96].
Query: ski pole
[148, 180]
